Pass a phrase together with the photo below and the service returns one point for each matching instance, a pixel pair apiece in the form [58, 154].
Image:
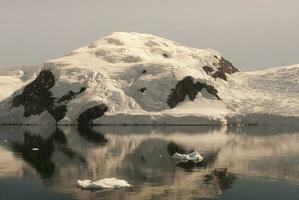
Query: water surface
[239, 163]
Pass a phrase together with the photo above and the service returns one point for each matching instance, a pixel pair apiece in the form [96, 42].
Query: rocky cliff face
[187, 87]
[37, 97]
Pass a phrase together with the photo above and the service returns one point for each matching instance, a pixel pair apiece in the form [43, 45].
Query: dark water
[239, 163]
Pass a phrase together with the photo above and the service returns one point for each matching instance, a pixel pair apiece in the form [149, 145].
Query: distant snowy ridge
[15, 77]
[141, 79]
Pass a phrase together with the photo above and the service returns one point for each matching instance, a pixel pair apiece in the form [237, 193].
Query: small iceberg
[194, 156]
[106, 183]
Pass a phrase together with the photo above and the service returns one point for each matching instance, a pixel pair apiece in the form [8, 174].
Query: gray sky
[252, 34]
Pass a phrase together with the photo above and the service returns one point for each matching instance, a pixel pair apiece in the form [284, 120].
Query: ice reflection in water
[142, 156]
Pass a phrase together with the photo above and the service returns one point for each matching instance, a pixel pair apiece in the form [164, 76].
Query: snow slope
[14, 78]
[133, 78]
[264, 97]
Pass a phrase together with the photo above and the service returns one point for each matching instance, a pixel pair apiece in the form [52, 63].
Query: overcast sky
[252, 34]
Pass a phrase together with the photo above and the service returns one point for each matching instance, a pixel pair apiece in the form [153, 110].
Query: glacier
[142, 79]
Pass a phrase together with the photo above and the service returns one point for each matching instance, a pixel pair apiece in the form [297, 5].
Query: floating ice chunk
[106, 183]
[85, 184]
[194, 156]
[35, 149]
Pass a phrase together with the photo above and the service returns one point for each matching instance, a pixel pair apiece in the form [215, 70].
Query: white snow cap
[106, 183]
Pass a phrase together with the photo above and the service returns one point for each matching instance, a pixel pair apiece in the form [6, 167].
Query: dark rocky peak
[224, 67]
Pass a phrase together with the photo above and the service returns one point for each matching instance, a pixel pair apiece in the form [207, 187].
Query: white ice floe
[106, 183]
[194, 156]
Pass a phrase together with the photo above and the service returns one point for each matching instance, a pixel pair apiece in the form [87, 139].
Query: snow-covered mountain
[133, 78]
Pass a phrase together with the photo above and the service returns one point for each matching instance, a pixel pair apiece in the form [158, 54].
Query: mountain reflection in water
[58, 157]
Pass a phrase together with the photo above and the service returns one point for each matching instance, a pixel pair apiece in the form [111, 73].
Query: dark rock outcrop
[224, 67]
[85, 127]
[86, 118]
[70, 95]
[142, 90]
[188, 87]
[37, 97]
[165, 55]
[58, 112]
[208, 69]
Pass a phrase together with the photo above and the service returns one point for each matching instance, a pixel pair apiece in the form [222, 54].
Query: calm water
[240, 163]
